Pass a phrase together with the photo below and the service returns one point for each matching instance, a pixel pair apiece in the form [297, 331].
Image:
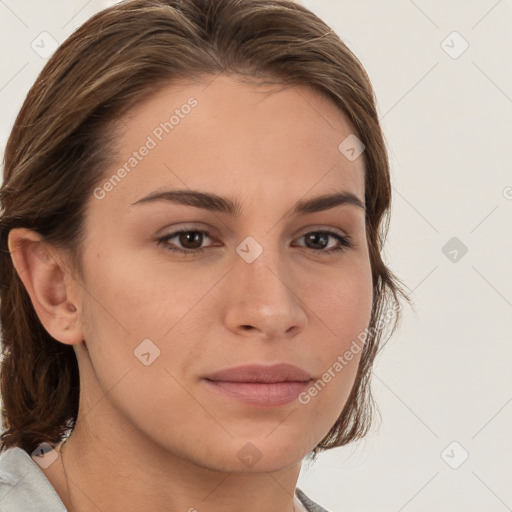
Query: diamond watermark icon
[454, 249]
[454, 455]
[44, 45]
[454, 45]
[146, 352]
[45, 455]
[351, 147]
[249, 454]
[249, 249]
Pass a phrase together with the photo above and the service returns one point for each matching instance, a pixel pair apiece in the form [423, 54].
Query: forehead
[234, 138]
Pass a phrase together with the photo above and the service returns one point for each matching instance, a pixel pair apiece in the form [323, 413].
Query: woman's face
[268, 286]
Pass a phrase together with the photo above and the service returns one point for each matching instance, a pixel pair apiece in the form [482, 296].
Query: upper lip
[281, 372]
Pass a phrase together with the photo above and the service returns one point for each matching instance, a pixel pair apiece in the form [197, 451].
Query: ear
[54, 294]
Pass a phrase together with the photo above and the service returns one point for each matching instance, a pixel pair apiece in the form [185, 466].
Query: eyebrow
[215, 203]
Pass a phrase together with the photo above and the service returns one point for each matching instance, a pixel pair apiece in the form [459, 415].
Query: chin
[251, 455]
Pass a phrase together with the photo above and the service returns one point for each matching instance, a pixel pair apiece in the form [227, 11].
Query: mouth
[260, 385]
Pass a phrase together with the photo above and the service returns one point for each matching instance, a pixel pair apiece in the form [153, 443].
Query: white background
[446, 374]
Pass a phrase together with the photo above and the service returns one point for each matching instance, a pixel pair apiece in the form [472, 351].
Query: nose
[263, 300]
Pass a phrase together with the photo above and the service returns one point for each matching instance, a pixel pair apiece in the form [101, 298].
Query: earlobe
[44, 281]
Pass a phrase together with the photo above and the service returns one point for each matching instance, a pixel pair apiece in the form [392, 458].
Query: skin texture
[156, 437]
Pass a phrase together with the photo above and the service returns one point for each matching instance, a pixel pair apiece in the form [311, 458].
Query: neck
[99, 478]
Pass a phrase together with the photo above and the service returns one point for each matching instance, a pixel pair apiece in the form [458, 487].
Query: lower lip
[260, 394]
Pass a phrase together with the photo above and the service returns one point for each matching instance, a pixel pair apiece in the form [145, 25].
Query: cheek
[342, 309]
[341, 303]
[125, 319]
[138, 298]
[128, 302]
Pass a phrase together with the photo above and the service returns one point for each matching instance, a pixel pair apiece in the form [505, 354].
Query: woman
[193, 293]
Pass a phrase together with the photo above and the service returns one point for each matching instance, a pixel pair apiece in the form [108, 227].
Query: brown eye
[319, 240]
[189, 240]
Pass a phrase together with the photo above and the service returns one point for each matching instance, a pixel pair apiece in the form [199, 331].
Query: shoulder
[308, 503]
[23, 486]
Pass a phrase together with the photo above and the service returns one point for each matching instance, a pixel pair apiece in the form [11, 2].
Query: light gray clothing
[25, 488]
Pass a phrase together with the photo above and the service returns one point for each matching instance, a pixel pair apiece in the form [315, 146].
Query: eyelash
[345, 241]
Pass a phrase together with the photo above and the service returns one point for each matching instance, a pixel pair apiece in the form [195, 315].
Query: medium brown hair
[64, 139]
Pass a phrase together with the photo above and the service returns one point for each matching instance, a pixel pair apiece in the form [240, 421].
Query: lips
[259, 385]
[283, 372]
